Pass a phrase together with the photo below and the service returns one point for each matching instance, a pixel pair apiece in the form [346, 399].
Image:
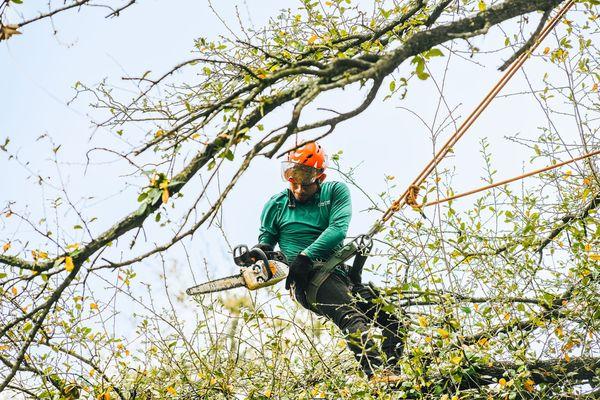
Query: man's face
[303, 193]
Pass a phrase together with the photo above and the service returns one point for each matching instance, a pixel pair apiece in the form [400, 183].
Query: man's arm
[269, 231]
[339, 220]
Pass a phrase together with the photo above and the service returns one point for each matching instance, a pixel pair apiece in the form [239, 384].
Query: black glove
[300, 272]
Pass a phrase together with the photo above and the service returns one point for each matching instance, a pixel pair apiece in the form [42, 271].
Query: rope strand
[439, 156]
[507, 181]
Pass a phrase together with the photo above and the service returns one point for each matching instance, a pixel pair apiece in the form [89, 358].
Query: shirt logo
[324, 203]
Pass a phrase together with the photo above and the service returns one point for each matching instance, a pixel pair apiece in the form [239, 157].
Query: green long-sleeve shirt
[316, 228]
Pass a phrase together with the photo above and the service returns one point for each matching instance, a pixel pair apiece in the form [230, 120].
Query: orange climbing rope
[410, 194]
[506, 181]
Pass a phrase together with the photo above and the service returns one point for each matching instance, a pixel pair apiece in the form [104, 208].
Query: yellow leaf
[568, 346]
[261, 76]
[165, 195]
[476, 307]
[104, 396]
[594, 257]
[6, 31]
[328, 3]
[93, 306]
[456, 360]
[595, 87]
[547, 50]
[171, 390]
[267, 393]
[92, 372]
[428, 339]
[443, 333]
[6, 247]
[213, 381]
[69, 264]
[529, 385]
[481, 5]
[483, 341]
[73, 246]
[423, 322]
[159, 133]
[14, 291]
[3, 347]
[502, 382]
[588, 247]
[312, 39]
[567, 358]
[559, 332]
[568, 172]
[506, 316]
[195, 136]
[164, 184]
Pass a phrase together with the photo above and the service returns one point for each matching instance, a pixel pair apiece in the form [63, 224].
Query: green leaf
[420, 69]
[154, 195]
[434, 53]
[142, 197]
[78, 227]
[228, 154]
[392, 86]
[142, 210]
[18, 1]
[2, 275]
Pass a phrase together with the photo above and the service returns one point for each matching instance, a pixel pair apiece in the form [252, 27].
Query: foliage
[501, 295]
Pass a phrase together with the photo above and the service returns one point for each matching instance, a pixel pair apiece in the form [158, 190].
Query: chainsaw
[258, 270]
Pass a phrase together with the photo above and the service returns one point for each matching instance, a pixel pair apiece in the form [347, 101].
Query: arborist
[309, 222]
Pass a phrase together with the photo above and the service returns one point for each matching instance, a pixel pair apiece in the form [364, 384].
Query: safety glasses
[299, 173]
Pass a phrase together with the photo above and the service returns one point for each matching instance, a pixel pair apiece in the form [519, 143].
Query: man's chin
[301, 199]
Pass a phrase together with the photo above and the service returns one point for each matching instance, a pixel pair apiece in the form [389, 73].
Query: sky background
[39, 70]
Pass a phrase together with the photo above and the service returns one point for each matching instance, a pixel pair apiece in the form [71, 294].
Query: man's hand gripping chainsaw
[257, 271]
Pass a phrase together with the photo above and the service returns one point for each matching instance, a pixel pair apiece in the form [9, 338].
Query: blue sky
[39, 70]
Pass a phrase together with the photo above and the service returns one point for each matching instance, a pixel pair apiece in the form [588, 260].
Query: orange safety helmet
[305, 165]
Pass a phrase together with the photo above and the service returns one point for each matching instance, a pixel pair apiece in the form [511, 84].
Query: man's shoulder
[278, 197]
[335, 186]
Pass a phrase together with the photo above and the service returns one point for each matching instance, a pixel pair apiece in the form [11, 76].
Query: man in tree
[309, 221]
